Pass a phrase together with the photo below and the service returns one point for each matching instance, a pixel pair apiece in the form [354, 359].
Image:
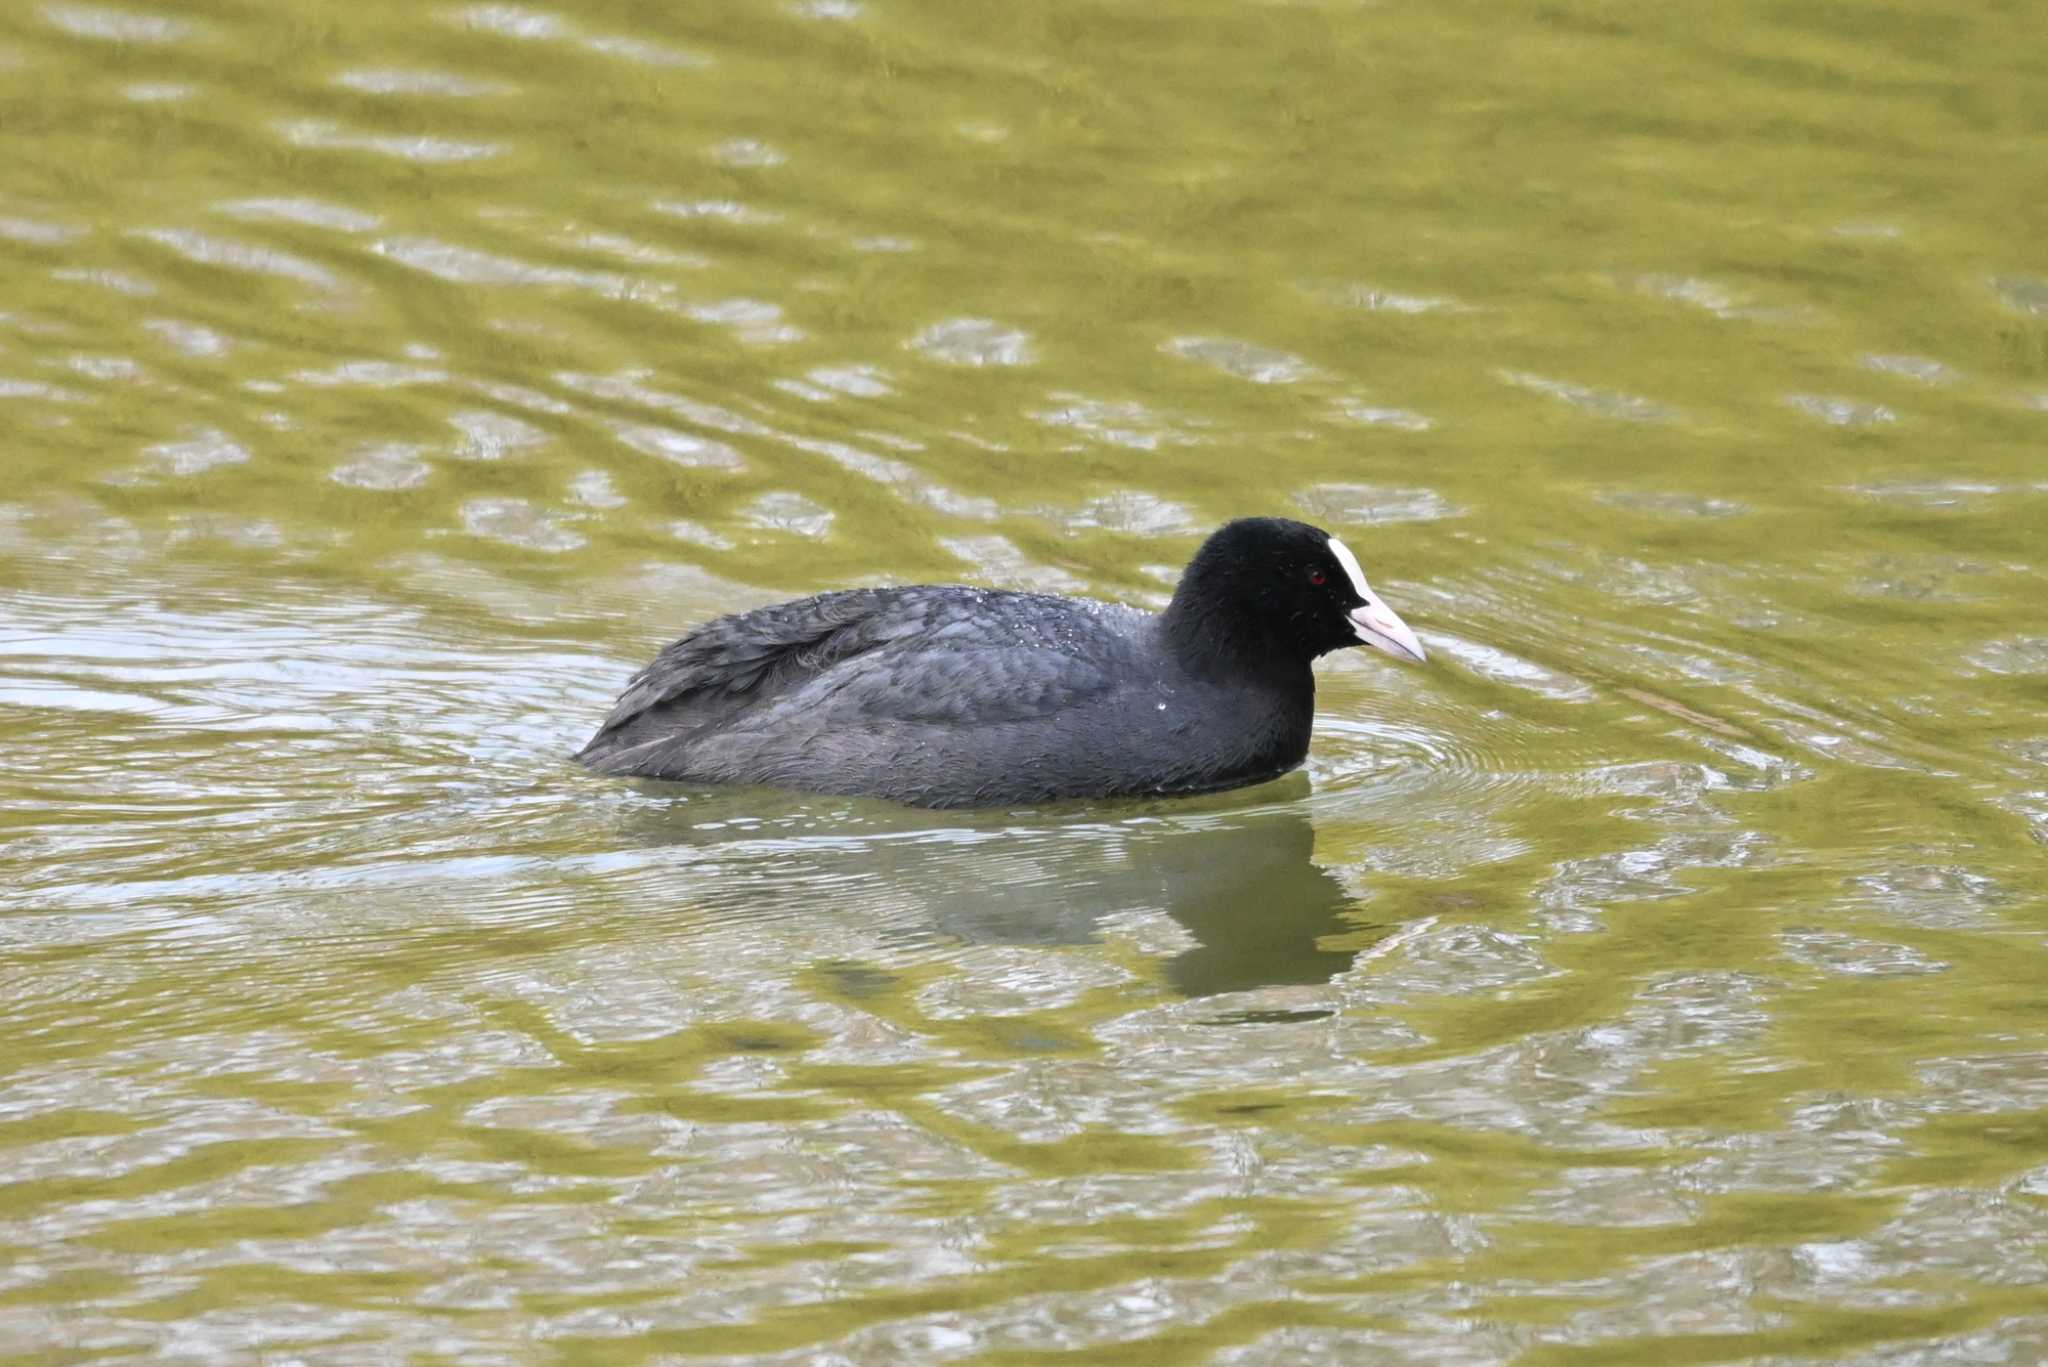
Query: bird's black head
[1267, 590]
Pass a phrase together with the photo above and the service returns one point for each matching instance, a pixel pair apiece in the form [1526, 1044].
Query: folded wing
[882, 657]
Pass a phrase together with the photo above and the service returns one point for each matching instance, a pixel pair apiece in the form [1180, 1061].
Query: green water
[1655, 977]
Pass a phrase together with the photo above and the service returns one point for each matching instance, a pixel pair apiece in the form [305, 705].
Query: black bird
[945, 696]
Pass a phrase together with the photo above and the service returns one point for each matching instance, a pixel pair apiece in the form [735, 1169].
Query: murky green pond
[1655, 977]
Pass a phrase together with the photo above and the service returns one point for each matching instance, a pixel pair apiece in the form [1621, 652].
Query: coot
[964, 697]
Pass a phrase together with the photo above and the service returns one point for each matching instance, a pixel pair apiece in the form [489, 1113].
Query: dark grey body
[950, 697]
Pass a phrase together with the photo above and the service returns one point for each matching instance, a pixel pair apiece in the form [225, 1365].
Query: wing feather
[916, 655]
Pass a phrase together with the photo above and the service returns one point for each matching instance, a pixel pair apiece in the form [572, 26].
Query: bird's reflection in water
[1243, 885]
[1257, 905]
[1240, 880]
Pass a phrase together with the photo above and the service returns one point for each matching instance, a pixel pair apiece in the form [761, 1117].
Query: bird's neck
[1211, 642]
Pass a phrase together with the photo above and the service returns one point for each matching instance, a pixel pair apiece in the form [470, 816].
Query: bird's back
[938, 695]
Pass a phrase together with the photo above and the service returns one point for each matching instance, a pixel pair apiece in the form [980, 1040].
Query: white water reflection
[1605, 403]
[1842, 412]
[118, 25]
[395, 81]
[209, 250]
[320, 133]
[974, 342]
[197, 454]
[1244, 360]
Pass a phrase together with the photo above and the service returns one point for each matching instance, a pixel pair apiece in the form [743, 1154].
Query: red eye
[1318, 578]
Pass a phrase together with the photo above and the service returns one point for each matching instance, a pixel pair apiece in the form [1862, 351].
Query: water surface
[1654, 977]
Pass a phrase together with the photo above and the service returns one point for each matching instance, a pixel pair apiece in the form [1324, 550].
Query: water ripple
[35, 232]
[398, 81]
[118, 25]
[323, 134]
[384, 468]
[1682, 901]
[312, 213]
[1260, 365]
[187, 337]
[1840, 412]
[678, 448]
[158, 92]
[974, 342]
[1924, 369]
[197, 454]
[470, 266]
[516, 522]
[209, 250]
[1368, 503]
[1606, 403]
[1125, 423]
[532, 25]
[786, 511]
[1366, 414]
